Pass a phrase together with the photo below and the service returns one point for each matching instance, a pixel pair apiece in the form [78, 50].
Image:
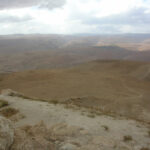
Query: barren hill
[117, 87]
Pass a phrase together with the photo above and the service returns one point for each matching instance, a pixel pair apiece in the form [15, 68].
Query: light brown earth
[72, 129]
[100, 105]
[116, 87]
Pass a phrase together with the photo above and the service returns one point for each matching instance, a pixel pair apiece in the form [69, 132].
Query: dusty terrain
[75, 92]
[72, 128]
[117, 87]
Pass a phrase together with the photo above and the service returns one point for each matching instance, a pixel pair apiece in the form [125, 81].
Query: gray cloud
[13, 19]
[50, 4]
[133, 17]
[76, 20]
[136, 20]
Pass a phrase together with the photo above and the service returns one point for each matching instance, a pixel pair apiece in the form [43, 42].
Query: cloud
[134, 20]
[13, 19]
[133, 17]
[50, 4]
[75, 16]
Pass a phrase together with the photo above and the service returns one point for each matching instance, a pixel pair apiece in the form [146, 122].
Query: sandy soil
[121, 87]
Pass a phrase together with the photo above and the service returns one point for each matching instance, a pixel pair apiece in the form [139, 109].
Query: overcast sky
[74, 16]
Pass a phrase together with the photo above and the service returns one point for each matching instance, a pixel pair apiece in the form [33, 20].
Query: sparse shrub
[91, 115]
[3, 103]
[144, 148]
[8, 112]
[13, 94]
[92, 112]
[16, 94]
[127, 138]
[105, 127]
[24, 97]
[82, 113]
[54, 102]
[98, 113]
[19, 95]
[149, 133]
[115, 146]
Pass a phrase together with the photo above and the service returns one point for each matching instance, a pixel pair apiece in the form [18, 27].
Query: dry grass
[105, 127]
[145, 148]
[16, 94]
[3, 103]
[127, 138]
[149, 133]
[113, 86]
[55, 102]
[91, 115]
[8, 112]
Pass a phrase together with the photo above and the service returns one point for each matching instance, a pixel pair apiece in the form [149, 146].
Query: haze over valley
[27, 52]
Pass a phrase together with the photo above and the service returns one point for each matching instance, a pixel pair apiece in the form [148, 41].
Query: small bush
[127, 138]
[144, 148]
[3, 103]
[91, 115]
[8, 112]
[15, 94]
[98, 113]
[82, 113]
[54, 102]
[105, 127]
[149, 133]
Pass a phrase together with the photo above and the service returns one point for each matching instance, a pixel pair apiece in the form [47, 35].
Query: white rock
[6, 133]
[68, 146]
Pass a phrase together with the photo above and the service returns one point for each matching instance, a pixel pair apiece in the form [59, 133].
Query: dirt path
[111, 130]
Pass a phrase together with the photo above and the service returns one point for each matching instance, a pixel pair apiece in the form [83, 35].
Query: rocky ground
[38, 125]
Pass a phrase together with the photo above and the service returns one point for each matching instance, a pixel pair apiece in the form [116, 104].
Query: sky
[74, 16]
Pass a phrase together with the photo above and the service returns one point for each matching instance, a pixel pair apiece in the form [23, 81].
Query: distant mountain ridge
[28, 52]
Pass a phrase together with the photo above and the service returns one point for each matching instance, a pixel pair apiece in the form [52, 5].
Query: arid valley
[81, 92]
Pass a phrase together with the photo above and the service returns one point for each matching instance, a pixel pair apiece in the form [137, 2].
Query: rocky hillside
[53, 126]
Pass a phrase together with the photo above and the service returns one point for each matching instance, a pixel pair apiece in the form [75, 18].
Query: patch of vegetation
[8, 112]
[82, 113]
[144, 148]
[91, 115]
[24, 97]
[3, 103]
[98, 113]
[105, 127]
[127, 138]
[55, 102]
[149, 133]
[13, 94]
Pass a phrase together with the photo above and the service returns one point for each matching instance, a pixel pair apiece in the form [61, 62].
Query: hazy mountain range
[27, 52]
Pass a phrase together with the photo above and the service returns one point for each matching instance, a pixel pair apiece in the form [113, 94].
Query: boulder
[6, 133]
